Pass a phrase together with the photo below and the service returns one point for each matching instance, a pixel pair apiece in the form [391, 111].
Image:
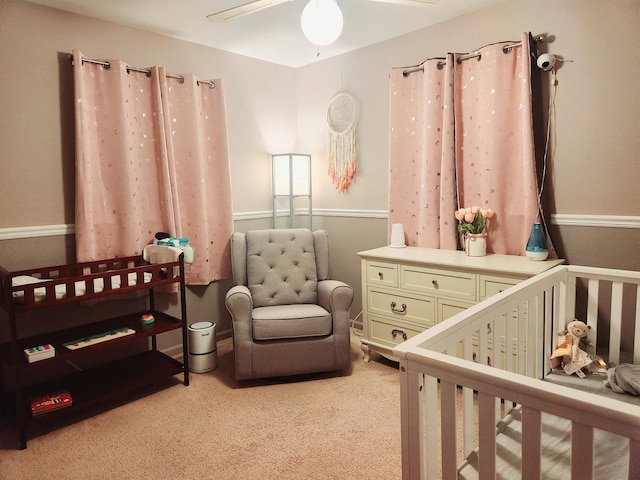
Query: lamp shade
[291, 174]
[322, 21]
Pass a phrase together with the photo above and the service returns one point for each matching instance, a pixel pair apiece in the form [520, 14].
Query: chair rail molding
[607, 221]
[560, 219]
[11, 233]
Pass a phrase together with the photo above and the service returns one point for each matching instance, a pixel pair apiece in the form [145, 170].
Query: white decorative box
[35, 354]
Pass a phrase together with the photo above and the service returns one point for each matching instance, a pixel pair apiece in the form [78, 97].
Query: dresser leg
[367, 353]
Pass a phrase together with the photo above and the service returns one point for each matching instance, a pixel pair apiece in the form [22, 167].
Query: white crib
[473, 388]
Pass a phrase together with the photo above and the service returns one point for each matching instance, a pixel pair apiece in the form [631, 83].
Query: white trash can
[203, 354]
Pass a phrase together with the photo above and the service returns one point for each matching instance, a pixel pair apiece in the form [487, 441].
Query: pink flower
[473, 220]
[488, 213]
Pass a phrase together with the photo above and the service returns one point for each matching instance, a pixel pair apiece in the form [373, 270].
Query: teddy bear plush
[570, 354]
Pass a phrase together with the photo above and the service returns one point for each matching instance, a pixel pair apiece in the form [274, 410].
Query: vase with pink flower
[472, 225]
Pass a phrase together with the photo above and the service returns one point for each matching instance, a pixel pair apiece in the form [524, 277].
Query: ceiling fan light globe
[322, 22]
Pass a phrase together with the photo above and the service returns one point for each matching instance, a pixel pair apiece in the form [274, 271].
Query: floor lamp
[291, 179]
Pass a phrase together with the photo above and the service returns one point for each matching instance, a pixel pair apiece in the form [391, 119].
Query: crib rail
[459, 378]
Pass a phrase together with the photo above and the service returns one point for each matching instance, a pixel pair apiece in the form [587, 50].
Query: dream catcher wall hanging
[341, 120]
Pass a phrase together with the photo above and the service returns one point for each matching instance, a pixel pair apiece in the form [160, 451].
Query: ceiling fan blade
[245, 9]
[412, 3]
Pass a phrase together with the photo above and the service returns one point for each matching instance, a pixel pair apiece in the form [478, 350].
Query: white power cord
[355, 330]
[551, 117]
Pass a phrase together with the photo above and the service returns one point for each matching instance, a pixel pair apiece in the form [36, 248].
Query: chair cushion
[291, 321]
[281, 267]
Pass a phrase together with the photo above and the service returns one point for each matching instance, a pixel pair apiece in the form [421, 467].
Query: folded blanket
[625, 378]
[160, 254]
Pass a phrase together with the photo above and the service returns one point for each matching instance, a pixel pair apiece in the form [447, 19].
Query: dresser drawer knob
[395, 333]
[395, 310]
[381, 275]
[434, 283]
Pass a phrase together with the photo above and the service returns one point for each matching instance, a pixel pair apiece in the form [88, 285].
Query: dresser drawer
[490, 285]
[439, 282]
[382, 273]
[449, 308]
[398, 306]
[390, 334]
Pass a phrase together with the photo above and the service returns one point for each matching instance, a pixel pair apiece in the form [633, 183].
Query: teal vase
[537, 248]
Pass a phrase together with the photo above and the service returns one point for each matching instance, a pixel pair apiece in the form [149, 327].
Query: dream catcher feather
[341, 120]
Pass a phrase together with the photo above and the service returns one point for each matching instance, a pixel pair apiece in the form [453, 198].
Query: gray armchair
[288, 317]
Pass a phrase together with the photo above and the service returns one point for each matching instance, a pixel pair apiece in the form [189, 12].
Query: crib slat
[495, 334]
[535, 342]
[468, 419]
[467, 349]
[522, 337]
[482, 346]
[486, 436]
[511, 333]
[581, 442]
[467, 403]
[566, 303]
[549, 337]
[529, 339]
[431, 429]
[615, 331]
[448, 428]
[412, 422]
[592, 306]
[531, 443]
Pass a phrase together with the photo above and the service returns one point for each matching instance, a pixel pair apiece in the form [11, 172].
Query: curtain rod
[459, 60]
[146, 71]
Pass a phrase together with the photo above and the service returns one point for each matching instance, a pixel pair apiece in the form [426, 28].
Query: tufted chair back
[280, 266]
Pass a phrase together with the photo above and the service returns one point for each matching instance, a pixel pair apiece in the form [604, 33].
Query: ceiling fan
[257, 5]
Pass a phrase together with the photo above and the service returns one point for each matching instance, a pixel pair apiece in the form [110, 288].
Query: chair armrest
[335, 296]
[239, 303]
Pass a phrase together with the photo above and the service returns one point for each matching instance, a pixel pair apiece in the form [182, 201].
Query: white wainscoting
[560, 219]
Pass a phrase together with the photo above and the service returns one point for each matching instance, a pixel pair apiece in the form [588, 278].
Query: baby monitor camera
[546, 61]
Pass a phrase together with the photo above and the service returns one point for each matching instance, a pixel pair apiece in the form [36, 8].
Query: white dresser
[407, 290]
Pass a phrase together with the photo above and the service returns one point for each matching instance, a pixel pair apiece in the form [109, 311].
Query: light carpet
[327, 426]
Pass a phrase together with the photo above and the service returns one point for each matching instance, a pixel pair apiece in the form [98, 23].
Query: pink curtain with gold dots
[151, 156]
[486, 142]
[422, 193]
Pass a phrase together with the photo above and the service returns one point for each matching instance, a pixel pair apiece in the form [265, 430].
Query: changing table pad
[40, 293]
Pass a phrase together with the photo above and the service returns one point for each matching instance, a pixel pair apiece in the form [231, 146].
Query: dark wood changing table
[100, 381]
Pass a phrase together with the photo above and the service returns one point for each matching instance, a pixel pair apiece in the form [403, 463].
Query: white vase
[475, 244]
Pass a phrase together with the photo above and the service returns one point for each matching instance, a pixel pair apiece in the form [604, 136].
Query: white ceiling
[272, 34]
